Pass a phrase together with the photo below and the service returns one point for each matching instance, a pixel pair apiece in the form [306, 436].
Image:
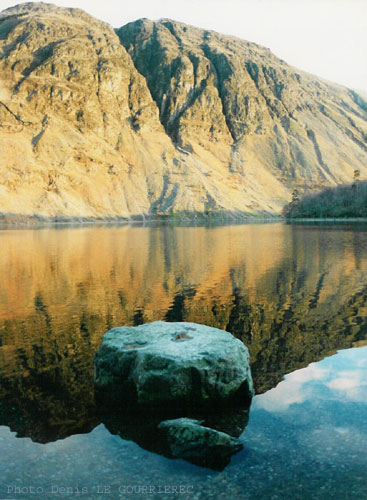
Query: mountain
[160, 118]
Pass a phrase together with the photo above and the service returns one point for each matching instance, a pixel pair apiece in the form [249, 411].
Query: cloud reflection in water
[338, 377]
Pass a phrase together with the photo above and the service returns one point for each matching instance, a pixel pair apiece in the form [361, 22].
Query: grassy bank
[347, 201]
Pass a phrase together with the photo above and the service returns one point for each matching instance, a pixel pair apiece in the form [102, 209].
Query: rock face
[161, 118]
[190, 440]
[179, 363]
[216, 92]
[80, 133]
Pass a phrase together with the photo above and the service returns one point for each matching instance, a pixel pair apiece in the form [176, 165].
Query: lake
[296, 295]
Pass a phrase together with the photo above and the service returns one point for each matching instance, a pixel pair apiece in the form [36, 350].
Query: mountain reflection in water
[293, 294]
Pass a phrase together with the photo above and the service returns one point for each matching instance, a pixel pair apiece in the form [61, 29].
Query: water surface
[295, 295]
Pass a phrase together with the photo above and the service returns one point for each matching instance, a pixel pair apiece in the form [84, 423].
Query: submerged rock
[190, 440]
[160, 362]
[143, 428]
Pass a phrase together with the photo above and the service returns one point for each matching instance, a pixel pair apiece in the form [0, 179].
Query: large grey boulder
[188, 439]
[172, 362]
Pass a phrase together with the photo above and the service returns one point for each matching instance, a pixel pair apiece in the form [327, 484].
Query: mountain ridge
[158, 118]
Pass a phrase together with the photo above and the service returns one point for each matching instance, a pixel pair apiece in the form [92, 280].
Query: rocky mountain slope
[161, 118]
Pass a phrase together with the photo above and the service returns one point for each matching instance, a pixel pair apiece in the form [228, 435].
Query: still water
[295, 295]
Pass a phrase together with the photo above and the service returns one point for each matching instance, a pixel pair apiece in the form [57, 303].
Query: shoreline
[36, 221]
[12, 221]
[326, 219]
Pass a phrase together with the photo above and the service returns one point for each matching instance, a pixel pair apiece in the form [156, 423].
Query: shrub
[342, 201]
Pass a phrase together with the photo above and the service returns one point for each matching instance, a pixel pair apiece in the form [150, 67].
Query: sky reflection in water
[342, 377]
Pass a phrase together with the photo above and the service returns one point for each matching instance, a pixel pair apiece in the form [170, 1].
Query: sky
[325, 37]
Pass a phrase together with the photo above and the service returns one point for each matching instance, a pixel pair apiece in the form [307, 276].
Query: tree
[288, 209]
[295, 197]
[356, 176]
